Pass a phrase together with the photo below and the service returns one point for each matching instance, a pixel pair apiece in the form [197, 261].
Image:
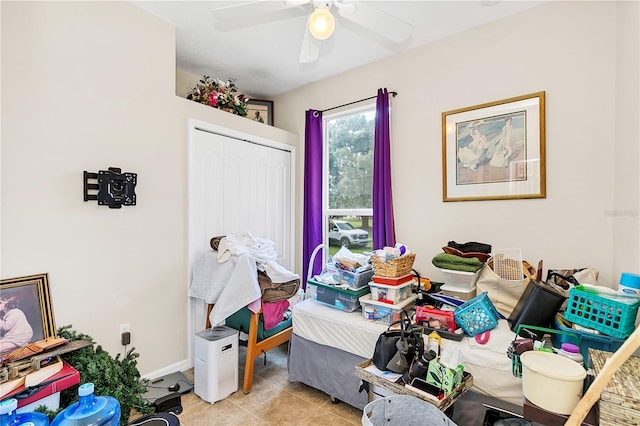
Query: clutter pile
[343, 280]
[460, 263]
[391, 287]
[486, 291]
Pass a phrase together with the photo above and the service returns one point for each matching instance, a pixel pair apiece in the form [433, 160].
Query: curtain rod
[394, 94]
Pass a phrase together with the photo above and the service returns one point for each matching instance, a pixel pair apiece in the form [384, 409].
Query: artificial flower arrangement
[219, 94]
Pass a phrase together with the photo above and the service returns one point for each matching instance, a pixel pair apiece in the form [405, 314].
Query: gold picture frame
[495, 151]
[30, 298]
[260, 110]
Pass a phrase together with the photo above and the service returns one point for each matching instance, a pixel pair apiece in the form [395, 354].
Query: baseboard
[173, 368]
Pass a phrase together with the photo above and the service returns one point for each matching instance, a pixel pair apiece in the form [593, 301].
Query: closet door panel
[259, 198]
[206, 190]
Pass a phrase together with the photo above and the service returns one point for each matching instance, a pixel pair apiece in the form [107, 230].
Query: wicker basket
[393, 268]
[398, 389]
[619, 401]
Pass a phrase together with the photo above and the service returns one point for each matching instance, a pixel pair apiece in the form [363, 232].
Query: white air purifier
[216, 363]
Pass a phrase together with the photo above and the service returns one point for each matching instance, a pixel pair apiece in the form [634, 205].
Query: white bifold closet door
[239, 185]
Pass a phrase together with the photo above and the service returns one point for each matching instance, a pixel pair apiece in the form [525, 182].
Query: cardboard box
[443, 377]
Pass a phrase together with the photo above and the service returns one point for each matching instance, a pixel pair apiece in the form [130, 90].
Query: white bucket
[551, 381]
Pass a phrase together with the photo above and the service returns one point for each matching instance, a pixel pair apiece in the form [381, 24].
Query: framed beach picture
[260, 110]
[25, 311]
[495, 151]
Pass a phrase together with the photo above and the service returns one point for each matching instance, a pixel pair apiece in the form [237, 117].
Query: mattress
[329, 326]
[490, 365]
[327, 369]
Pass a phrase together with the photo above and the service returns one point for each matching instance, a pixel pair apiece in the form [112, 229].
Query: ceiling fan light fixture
[322, 23]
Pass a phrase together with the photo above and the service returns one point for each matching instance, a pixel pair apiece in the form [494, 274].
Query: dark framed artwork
[260, 110]
[26, 315]
[495, 151]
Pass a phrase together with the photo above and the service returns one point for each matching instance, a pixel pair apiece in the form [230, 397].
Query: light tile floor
[273, 400]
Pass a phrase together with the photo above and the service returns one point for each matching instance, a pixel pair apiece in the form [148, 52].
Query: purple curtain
[312, 221]
[384, 233]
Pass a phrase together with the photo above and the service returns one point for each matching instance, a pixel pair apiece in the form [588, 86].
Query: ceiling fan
[320, 23]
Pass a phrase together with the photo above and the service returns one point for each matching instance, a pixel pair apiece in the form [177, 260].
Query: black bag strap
[569, 278]
[405, 322]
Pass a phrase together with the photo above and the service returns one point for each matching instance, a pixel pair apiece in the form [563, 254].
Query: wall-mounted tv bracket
[115, 188]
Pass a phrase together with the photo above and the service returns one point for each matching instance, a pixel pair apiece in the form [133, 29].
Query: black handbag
[396, 349]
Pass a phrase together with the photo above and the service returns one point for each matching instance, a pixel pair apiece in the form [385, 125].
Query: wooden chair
[255, 347]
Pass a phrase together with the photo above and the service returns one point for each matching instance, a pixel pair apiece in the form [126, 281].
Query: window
[348, 178]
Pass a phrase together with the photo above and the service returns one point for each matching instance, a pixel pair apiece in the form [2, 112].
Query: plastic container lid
[8, 405]
[630, 280]
[391, 286]
[400, 305]
[85, 389]
[570, 347]
[553, 366]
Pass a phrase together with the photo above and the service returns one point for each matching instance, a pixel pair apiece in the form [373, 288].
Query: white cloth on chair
[229, 286]
[263, 251]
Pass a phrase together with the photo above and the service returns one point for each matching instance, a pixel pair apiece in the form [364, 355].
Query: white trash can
[403, 410]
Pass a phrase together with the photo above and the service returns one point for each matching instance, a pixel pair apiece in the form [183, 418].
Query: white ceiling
[262, 54]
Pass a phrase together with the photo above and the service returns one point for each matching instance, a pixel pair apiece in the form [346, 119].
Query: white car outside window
[346, 235]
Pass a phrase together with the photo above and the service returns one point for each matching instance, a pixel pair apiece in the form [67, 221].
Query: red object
[60, 381]
[392, 281]
[446, 318]
[483, 337]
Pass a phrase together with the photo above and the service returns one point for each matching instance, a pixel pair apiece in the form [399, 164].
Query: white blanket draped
[263, 250]
[228, 278]
[230, 285]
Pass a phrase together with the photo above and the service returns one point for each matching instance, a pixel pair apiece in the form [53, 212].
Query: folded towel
[456, 263]
[471, 246]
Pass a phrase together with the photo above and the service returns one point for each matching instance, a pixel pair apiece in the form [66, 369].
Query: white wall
[87, 86]
[626, 212]
[569, 50]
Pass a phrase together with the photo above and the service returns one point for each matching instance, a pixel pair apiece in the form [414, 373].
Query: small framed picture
[26, 315]
[495, 151]
[260, 110]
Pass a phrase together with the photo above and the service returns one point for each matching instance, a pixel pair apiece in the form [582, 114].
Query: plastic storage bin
[352, 279]
[9, 416]
[537, 306]
[391, 294]
[459, 280]
[607, 313]
[90, 410]
[587, 340]
[477, 315]
[457, 293]
[392, 281]
[341, 298]
[384, 313]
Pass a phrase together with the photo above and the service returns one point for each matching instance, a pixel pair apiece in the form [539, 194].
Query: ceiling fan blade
[310, 50]
[387, 26]
[250, 13]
